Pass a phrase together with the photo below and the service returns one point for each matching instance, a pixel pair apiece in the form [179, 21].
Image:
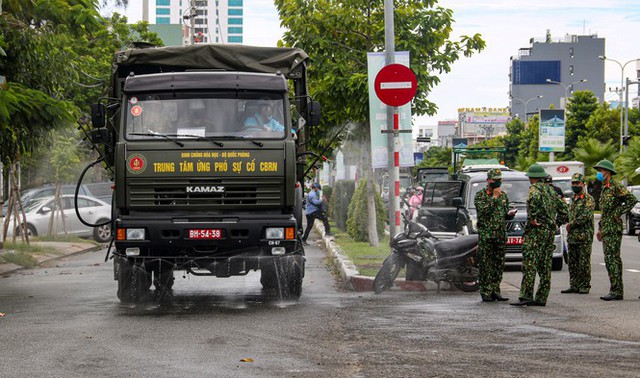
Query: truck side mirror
[314, 114]
[456, 201]
[97, 116]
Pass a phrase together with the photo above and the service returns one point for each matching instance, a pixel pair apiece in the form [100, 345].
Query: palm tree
[629, 161]
[591, 151]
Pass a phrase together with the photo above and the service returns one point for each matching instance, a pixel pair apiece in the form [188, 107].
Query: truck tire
[133, 281]
[630, 229]
[283, 275]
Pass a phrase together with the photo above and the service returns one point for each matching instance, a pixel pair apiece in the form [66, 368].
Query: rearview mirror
[97, 116]
[314, 113]
[456, 201]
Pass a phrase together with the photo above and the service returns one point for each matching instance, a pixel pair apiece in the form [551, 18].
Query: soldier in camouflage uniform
[545, 212]
[492, 206]
[580, 237]
[615, 200]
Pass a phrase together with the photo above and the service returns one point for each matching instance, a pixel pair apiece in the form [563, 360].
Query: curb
[6, 269]
[349, 274]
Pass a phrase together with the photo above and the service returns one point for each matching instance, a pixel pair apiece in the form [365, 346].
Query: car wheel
[556, 264]
[102, 234]
[31, 231]
[630, 229]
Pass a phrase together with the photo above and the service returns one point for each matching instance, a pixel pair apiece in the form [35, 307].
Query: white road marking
[633, 270]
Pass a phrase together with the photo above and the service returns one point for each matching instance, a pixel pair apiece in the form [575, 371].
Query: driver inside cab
[263, 119]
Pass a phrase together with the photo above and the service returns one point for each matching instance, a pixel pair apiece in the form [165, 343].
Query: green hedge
[327, 191]
[357, 226]
[339, 203]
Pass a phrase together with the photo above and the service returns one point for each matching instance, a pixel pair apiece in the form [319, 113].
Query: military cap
[606, 164]
[494, 174]
[577, 177]
[536, 171]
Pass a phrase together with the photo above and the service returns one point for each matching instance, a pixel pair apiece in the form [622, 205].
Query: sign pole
[389, 53]
[396, 167]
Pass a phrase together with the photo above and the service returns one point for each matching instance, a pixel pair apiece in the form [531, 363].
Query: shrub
[327, 191]
[357, 226]
[339, 203]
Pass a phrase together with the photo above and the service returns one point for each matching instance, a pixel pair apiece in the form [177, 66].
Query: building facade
[202, 21]
[547, 72]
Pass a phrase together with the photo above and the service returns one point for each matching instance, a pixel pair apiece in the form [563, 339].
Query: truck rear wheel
[133, 281]
[283, 275]
[163, 282]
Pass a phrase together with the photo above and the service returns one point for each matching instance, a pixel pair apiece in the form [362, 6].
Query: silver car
[92, 211]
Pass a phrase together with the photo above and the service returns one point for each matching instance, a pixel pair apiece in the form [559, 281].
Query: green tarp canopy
[211, 57]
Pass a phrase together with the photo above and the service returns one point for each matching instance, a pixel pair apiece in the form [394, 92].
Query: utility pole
[192, 28]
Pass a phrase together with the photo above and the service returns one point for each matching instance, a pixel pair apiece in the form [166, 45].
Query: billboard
[552, 130]
[378, 116]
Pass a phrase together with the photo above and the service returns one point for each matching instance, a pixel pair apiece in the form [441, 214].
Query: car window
[441, 193]
[516, 190]
[83, 202]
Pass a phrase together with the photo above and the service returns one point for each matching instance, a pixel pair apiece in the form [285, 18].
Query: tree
[512, 141]
[579, 110]
[603, 125]
[337, 34]
[629, 161]
[591, 151]
[435, 157]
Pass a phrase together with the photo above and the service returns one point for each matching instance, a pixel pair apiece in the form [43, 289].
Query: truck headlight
[135, 234]
[275, 233]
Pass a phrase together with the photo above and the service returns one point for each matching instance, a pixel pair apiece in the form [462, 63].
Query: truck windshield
[517, 190]
[193, 117]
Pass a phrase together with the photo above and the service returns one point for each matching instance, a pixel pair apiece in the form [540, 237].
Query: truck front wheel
[283, 275]
[134, 280]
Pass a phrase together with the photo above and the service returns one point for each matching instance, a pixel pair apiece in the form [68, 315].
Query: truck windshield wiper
[154, 134]
[200, 137]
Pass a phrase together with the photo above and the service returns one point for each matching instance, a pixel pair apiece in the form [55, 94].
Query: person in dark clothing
[315, 211]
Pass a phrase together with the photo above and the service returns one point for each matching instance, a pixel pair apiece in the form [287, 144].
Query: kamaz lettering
[205, 189]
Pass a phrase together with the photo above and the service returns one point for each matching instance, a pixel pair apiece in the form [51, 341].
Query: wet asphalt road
[65, 320]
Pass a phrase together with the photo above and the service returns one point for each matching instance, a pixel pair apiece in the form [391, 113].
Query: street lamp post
[525, 105]
[566, 88]
[621, 92]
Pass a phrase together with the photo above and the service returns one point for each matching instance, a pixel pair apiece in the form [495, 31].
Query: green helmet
[606, 164]
[577, 177]
[494, 174]
[536, 171]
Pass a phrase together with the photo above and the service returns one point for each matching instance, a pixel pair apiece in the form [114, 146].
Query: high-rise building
[203, 21]
[547, 72]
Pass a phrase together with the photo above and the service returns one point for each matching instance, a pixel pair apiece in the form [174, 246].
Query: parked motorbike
[427, 258]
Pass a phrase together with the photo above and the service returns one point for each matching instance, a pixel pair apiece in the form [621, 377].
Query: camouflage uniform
[580, 238]
[492, 242]
[549, 211]
[615, 200]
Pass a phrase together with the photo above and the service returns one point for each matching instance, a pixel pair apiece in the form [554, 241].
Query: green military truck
[206, 144]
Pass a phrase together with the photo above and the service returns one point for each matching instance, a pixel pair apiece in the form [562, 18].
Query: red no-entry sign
[395, 84]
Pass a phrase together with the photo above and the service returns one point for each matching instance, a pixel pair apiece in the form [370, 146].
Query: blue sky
[506, 26]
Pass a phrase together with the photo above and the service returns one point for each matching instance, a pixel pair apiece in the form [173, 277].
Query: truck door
[439, 212]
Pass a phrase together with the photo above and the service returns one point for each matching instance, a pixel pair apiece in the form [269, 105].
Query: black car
[633, 218]
[448, 210]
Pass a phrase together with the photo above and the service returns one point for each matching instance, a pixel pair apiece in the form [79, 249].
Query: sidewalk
[59, 250]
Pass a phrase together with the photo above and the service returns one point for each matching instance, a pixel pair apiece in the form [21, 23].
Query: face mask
[576, 189]
[495, 184]
[600, 176]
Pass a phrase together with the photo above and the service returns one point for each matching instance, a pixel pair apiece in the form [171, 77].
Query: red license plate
[514, 240]
[205, 233]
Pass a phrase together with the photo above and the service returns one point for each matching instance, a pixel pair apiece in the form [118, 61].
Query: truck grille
[237, 193]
